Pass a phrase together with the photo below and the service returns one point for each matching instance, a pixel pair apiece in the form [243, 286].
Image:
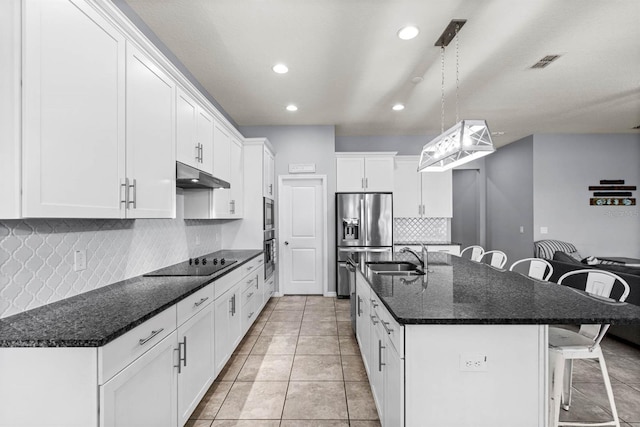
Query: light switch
[80, 260]
[544, 230]
[521, 229]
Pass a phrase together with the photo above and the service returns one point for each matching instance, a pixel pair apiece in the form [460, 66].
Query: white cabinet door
[221, 152]
[151, 147]
[237, 180]
[363, 320]
[228, 327]
[197, 370]
[406, 190]
[393, 387]
[437, 194]
[74, 112]
[145, 392]
[350, 174]
[378, 174]
[204, 137]
[269, 170]
[187, 149]
[378, 360]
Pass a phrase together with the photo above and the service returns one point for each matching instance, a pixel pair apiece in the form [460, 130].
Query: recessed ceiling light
[398, 107]
[409, 32]
[280, 69]
[292, 107]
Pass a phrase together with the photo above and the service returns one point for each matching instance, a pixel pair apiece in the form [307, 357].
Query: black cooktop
[194, 267]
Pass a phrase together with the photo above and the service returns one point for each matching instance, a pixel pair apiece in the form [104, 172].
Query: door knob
[286, 243]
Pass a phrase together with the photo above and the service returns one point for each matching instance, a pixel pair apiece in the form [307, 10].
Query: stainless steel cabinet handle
[231, 305]
[386, 328]
[366, 183]
[143, 341]
[234, 305]
[198, 152]
[133, 198]
[249, 295]
[271, 189]
[250, 315]
[257, 281]
[373, 319]
[359, 309]
[374, 303]
[124, 189]
[362, 183]
[184, 354]
[179, 366]
[199, 303]
[380, 364]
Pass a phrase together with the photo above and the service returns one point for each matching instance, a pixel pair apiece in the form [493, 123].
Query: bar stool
[537, 268]
[475, 250]
[565, 345]
[497, 258]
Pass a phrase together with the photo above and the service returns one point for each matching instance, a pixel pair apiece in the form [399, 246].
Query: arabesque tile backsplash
[421, 229]
[37, 255]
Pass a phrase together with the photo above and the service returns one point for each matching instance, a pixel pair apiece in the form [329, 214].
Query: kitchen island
[465, 344]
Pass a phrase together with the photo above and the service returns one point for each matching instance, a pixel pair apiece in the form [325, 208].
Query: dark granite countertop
[459, 291]
[424, 242]
[94, 318]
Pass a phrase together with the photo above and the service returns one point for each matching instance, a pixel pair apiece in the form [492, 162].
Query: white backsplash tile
[421, 229]
[37, 255]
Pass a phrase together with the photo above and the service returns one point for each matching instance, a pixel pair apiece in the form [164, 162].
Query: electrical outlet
[544, 230]
[473, 362]
[80, 260]
[521, 229]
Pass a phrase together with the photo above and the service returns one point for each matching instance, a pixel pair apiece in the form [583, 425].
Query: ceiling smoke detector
[545, 61]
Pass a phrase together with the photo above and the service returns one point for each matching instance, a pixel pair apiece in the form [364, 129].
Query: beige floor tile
[265, 367]
[256, 328]
[354, 423]
[319, 328]
[293, 298]
[289, 305]
[626, 398]
[198, 423]
[281, 328]
[343, 303]
[348, 345]
[315, 401]
[583, 410]
[232, 368]
[286, 316]
[353, 368]
[343, 316]
[319, 316]
[360, 401]
[246, 344]
[264, 316]
[320, 309]
[316, 368]
[246, 423]
[275, 344]
[319, 301]
[212, 401]
[318, 345]
[344, 328]
[254, 401]
[314, 423]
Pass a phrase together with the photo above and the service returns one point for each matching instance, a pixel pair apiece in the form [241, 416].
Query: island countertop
[97, 317]
[459, 291]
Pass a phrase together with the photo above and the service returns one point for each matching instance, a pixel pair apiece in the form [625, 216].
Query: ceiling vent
[636, 127]
[545, 61]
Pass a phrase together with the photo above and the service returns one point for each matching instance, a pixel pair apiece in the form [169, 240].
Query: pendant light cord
[457, 72]
[442, 86]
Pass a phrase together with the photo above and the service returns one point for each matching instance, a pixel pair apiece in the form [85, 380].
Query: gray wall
[564, 167]
[509, 173]
[479, 165]
[410, 145]
[148, 32]
[306, 144]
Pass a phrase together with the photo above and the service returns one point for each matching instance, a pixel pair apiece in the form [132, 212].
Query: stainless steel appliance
[268, 215]
[194, 267]
[269, 253]
[190, 177]
[364, 223]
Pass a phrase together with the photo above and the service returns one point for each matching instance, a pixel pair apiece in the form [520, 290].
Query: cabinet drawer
[248, 293]
[269, 288]
[120, 352]
[249, 313]
[448, 249]
[393, 329]
[227, 281]
[194, 303]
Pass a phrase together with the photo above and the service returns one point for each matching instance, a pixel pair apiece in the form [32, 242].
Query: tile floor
[299, 366]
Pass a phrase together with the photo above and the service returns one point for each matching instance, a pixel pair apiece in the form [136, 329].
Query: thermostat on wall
[302, 167]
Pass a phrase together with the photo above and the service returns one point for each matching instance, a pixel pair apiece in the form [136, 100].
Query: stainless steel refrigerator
[364, 224]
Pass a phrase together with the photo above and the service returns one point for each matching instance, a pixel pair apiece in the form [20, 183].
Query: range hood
[190, 177]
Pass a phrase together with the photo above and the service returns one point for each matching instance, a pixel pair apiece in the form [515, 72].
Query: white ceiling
[347, 67]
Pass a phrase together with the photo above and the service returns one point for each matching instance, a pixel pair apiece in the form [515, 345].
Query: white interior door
[303, 235]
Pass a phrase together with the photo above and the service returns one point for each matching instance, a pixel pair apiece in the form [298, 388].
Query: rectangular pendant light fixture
[466, 141]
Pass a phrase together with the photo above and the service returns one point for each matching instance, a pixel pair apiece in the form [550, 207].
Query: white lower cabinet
[381, 341]
[144, 393]
[196, 373]
[228, 326]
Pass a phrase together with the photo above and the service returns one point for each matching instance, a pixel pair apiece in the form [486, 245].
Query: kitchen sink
[395, 268]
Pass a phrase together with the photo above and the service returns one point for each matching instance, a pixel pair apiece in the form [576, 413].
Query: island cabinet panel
[442, 390]
[363, 320]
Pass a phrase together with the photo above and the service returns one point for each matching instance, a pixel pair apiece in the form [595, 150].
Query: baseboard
[278, 294]
[330, 294]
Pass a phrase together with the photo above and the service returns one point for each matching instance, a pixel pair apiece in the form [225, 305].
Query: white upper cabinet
[150, 134]
[364, 172]
[194, 145]
[269, 171]
[221, 152]
[421, 194]
[73, 145]
[229, 202]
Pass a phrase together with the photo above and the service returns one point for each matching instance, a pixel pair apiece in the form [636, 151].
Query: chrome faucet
[412, 252]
